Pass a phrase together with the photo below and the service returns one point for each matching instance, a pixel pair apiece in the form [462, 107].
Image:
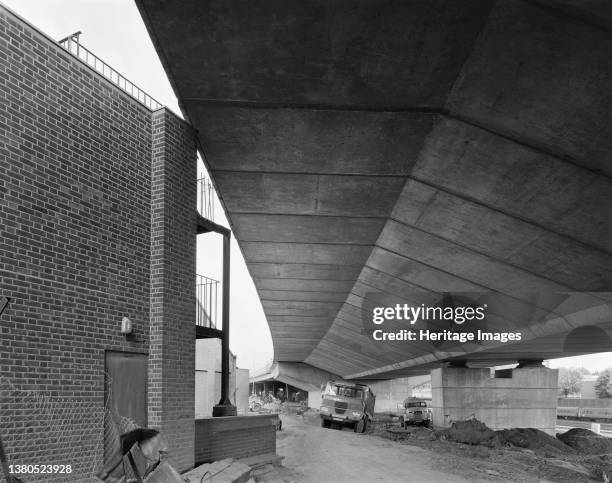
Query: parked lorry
[347, 404]
[415, 411]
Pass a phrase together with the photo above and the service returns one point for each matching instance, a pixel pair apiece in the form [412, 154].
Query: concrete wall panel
[527, 399]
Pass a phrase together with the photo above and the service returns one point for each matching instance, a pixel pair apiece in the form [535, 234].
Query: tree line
[570, 381]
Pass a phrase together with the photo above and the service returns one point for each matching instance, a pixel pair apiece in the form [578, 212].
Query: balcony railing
[206, 199]
[72, 45]
[207, 290]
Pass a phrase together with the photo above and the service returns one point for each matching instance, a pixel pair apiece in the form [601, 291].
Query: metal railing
[207, 306]
[206, 199]
[72, 45]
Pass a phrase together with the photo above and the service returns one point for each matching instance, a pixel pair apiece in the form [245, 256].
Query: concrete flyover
[374, 152]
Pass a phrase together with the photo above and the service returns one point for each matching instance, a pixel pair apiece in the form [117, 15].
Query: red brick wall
[234, 437]
[75, 254]
[172, 353]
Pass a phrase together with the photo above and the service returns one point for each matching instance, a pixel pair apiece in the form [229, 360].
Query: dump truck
[347, 404]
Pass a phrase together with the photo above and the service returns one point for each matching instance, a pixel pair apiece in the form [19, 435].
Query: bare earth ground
[315, 454]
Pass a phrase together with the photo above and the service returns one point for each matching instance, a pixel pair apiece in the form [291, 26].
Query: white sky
[592, 362]
[114, 31]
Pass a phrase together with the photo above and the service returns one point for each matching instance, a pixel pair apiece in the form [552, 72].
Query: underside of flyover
[429, 152]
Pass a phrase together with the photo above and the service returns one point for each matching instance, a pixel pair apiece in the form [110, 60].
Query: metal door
[125, 395]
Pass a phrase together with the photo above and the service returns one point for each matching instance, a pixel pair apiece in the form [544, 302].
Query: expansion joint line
[435, 111]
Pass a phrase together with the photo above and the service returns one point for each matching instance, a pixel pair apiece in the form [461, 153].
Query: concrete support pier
[512, 398]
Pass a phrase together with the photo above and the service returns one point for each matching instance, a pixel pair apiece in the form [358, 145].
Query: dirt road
[315, 454]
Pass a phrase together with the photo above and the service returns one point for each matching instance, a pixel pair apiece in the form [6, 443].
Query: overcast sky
[114, 31]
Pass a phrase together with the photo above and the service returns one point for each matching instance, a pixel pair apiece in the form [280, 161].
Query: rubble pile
[579, 453]
[470, 431]
[587, 442]
[475, 432]
[535, 440]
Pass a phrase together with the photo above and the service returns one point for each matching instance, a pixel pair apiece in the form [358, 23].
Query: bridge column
[524, 397]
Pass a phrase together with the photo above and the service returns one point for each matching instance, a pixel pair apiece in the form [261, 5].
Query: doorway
[125, 396]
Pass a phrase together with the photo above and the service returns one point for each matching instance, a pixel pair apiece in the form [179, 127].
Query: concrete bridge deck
[425, 152]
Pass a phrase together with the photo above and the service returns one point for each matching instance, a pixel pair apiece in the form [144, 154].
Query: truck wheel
[361, 425]
[325, 423]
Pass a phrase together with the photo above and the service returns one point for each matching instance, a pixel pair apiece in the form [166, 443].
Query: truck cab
[347, 404]
[416, 412]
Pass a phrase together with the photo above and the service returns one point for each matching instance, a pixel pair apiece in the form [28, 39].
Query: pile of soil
[586, 442]
[599, 465]
[475, 432]
[535, 440]
[470, 431]
[578, 455]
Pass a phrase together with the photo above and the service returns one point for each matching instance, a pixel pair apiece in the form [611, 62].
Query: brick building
[98, 222]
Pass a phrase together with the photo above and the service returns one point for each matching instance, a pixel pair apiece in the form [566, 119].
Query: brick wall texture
[172, 351]
[97, 222]
[235, 437]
